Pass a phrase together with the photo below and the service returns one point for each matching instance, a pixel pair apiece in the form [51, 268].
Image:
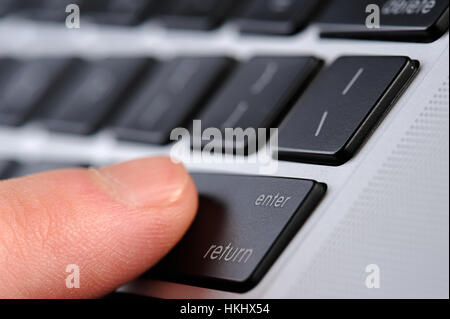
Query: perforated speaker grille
[399, 220]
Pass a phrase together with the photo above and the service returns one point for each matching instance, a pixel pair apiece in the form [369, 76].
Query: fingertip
[144, 182]
[115, 222]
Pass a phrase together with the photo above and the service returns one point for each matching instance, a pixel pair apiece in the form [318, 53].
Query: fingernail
[145, 182]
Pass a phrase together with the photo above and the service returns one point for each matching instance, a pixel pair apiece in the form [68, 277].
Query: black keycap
[169, 97]
[27, 84]
[331, 121]
[278, 16]
[256, 96]
[400, 20]
[121, 12]
[48, 10]
[7, 64]
[236, 236]
[196, 14]
[5, 167]
[7, 67]
[91, 94]
[24, 169]
[8, 7]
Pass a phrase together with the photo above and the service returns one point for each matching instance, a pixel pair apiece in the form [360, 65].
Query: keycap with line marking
[256, 96]
[334, 117]
[47, 10]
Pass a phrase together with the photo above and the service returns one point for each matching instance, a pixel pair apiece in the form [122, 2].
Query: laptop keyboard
[144, 101]
[325, 111]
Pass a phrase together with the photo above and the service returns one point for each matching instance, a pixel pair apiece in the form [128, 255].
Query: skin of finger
[59, 218]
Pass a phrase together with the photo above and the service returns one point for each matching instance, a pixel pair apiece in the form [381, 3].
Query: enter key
[237, 235]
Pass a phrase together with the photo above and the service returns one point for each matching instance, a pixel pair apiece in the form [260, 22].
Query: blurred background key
[21, 169]
[282, 17]
[25, 85]
[47, 10]
[168, 98]
[415, 21]
[120, 12]
[89, 96]
[5, 167]
[196, 14]
[8, 6]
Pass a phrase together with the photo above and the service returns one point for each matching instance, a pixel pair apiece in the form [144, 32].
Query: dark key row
[14, 169]
[236, 236]
[323, 119]
[400, 20]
